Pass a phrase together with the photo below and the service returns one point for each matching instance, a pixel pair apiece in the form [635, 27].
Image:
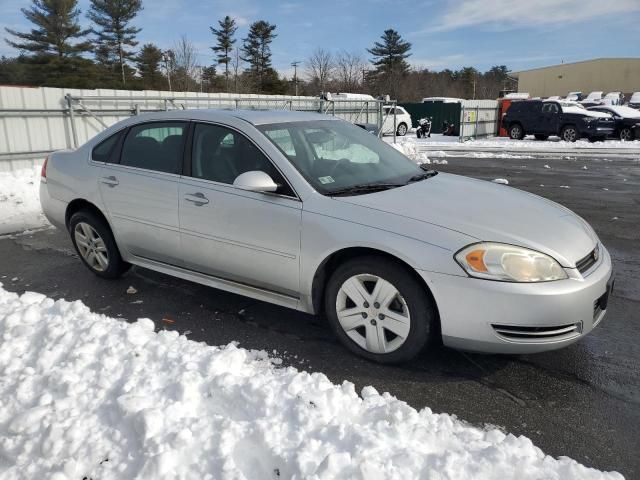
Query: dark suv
[543, 119]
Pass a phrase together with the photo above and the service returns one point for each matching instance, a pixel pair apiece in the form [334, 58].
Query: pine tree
[56, 25]
[115, 34]
[225, 41]
[148, 66]
[390, 62]
[257, 52]
[390, 55]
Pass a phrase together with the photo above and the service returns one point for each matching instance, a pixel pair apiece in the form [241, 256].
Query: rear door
[247, 237]
[140, 191]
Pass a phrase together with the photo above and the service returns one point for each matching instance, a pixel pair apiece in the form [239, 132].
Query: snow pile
[502, 181]
[87, 396]
[411, 150]
[20, 201]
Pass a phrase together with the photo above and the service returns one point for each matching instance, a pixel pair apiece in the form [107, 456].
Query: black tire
[569, 133]
[402, 129]
[422, 310]
[516, 132]
[419, 133]
[540, 136]
[115, 266]
[626, 134]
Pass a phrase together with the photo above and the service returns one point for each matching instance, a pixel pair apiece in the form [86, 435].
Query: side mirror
[255, 181]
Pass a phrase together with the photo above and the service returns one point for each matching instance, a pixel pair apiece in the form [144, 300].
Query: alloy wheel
[402, 130]
[625, 134]
[515, 133]
[373, 313]
[570, 135]
[91, 246]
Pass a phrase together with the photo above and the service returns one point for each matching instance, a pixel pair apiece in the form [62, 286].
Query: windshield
[334, 155]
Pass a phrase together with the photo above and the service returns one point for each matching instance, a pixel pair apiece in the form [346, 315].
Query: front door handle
[198, 199]
[111, 181]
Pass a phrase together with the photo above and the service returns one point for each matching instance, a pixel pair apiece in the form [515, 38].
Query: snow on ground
[529, 143]
[87, 396]
[20, 201]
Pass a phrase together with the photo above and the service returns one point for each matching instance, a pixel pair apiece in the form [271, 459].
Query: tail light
[43, 172]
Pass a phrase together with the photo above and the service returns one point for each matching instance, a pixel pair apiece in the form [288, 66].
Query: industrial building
[600, 74]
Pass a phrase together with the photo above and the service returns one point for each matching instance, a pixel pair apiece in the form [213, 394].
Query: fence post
[475, 133]
[461, 134]
[74, 133]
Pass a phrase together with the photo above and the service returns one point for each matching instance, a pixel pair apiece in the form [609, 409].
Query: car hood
[488, 212]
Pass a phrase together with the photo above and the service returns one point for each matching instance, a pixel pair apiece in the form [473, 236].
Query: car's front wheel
[516, 132]
[626, 134]
[569, 133]
[402, 129]
[379, 310]
[94, 242]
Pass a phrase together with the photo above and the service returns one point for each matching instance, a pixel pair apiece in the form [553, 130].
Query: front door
[141, 191]
[247, 237]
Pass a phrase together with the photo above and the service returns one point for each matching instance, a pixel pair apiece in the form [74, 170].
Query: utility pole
[295, 64]
[201, 78]
[165, 57]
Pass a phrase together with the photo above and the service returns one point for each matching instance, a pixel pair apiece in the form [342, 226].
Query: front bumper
[501, 317]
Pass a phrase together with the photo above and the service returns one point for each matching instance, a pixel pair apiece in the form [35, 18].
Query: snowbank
[84, 395]
[20, 201]
[410, 149]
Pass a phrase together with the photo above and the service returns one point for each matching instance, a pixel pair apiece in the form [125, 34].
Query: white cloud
[508, 13]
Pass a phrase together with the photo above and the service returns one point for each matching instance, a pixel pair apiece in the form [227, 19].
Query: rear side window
[155, 146]
[104, 150]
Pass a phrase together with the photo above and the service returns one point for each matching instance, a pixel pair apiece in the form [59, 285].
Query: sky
[521, 34]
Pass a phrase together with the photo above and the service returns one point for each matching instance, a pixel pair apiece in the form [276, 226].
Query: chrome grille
[589, 261]
[538, 334]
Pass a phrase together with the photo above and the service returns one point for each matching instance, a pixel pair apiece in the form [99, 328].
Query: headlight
[508, 263]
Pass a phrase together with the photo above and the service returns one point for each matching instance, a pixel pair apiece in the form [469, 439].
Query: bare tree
[320, 66]
[236, 65]
[185, 64]
[349, 69]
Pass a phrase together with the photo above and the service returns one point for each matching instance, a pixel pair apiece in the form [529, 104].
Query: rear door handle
[111, 181]
[198, 199]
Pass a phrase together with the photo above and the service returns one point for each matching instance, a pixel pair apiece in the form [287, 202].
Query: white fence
[36, 121]
[478, 118]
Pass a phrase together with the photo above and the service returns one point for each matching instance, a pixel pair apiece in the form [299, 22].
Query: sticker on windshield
[325, 180]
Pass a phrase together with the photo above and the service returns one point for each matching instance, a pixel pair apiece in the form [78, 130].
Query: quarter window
[102, 152]
[220, 154]
[155, 146]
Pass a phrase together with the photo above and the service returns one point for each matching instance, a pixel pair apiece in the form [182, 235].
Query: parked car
[625, 120]
[313, 213]
[593, 99]
[402, 121]
[634, 101]
[543, 119]
[613, 98]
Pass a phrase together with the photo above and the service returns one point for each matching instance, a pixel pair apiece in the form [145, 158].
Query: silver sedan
[313, 213]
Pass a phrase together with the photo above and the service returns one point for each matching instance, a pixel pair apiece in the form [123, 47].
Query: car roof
[254, 117]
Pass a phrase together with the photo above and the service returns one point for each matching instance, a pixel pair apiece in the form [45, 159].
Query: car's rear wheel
[569, 133]
[402, 129]
[626, 134]
[540, 136]
[94, 242]
[516, 132]
[379, 310]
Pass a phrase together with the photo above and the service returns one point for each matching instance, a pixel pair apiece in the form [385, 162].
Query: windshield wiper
[364, 188]
[422, 176]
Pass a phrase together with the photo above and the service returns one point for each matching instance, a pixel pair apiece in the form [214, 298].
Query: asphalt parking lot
[582, 401]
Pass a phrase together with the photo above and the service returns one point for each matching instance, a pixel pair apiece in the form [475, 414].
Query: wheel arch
[78, 204]
[333, 260]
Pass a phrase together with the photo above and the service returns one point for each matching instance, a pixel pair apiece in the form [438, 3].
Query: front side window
[220, 154]
[155, 146]
[550, 108]
[333, 155]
